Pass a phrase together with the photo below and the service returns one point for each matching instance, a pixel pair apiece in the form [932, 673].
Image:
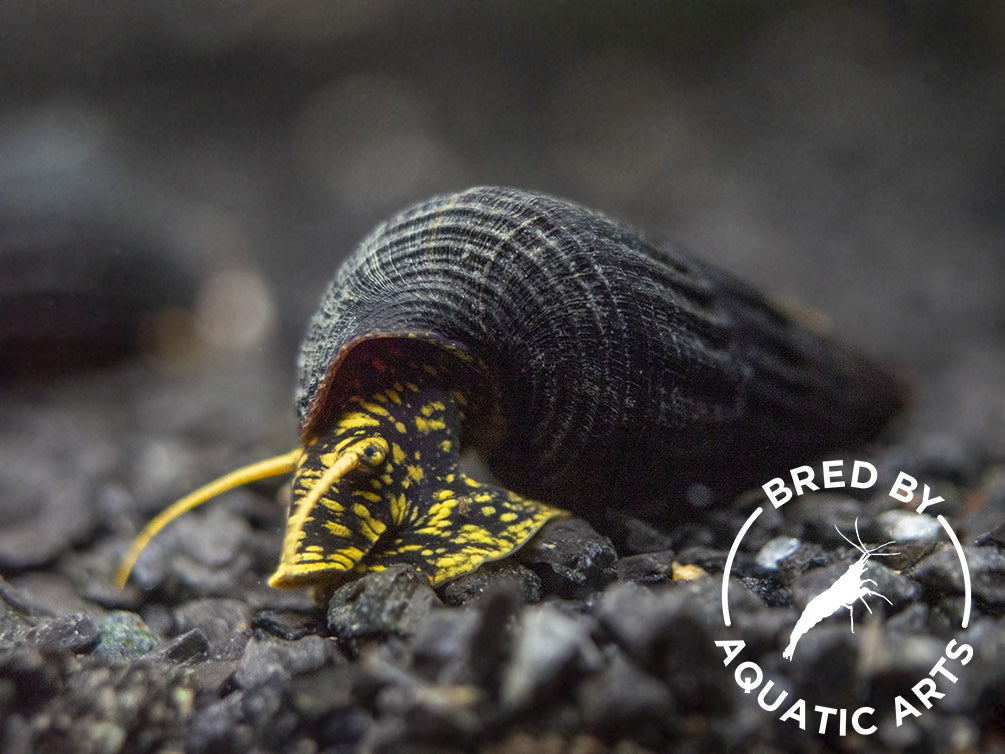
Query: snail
[597, 373]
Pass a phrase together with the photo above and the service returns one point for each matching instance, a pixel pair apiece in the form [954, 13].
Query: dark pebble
[502, 574]
[189, 647]
[469, 646]
[220, 727]
[13, 626]
[913, 619]
[946, 615]
[666, 630]
[571, 559]
[16, 601]
[228, 614]
[441, 649]
[634, 537]
[808, 555]
[43, 593]
[89, 574]
[548, 648]
[824, 663]
[901, 660]
[394, 601]
[201, 554]
[417, 717]
[328, 709]
[212, 678]
[622, 700]
[71, 633]
[769, 588]
[272, 661]
[262, 708]
[893, 585]
[491, 643]
[993, 538]
[905, 555]
[990, 707]
[647, 568]
[288, 624]
[33, 677]
[225, 623]
[820, 516]
[43, 517]
[941, 574]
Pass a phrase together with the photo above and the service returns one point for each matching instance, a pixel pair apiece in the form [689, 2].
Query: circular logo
[850, 590]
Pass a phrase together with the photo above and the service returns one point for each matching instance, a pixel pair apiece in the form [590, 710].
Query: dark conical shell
[623, 375]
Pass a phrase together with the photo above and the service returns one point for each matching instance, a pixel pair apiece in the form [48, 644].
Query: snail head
[382, 486]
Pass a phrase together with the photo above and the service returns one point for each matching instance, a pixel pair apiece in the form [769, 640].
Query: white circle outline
[967, 595]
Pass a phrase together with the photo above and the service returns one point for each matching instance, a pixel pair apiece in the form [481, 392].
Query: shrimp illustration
[849, 588]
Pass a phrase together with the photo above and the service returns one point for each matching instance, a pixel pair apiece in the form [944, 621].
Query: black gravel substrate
[572, 646]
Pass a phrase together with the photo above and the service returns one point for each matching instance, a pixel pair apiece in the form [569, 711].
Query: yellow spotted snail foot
[597, 373]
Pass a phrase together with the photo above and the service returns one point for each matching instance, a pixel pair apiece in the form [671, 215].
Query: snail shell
[607, 372]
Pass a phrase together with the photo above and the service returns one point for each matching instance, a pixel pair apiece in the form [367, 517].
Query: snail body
[596, 372]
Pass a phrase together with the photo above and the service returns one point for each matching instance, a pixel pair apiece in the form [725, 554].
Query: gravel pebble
[269, 662]
[71, 633]
[392, 602]
[942, 574]
[905, 525]
[548, 647]
[191, 646]
[124, 635]
[443, 646]
[491, 577]
[993, 538]
[224, 623]
[43, 515]
[777, 549]
[571, 559]
[667, 629]
[622, 699]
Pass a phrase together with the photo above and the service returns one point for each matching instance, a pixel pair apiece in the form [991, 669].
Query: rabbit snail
[597, 373]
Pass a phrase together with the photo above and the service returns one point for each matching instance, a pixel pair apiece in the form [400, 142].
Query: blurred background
[227, 155]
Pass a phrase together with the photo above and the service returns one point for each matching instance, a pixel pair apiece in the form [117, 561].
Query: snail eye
[372, 454]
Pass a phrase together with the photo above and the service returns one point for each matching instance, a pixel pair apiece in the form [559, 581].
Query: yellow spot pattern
[416, 508]
[428, 425]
